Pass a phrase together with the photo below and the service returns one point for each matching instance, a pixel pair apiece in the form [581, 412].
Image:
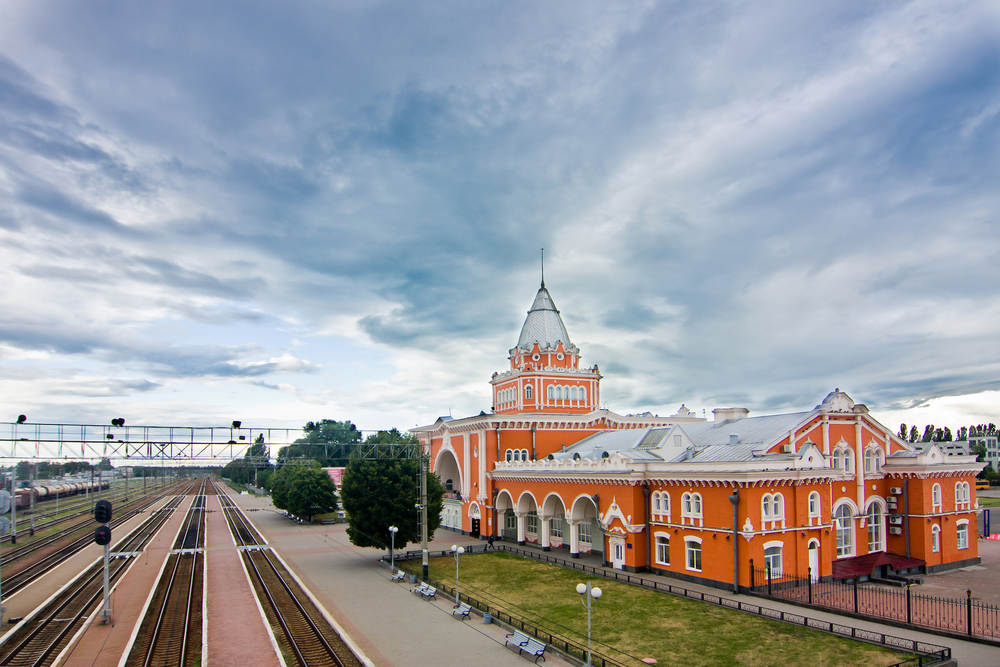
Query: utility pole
[424, 464]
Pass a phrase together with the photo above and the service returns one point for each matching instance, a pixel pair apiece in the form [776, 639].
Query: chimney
[728, 414]
[734, 438]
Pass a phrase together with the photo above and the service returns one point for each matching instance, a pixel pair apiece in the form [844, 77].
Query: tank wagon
[51, 492]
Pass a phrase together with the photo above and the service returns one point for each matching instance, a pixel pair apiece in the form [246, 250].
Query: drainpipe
[735, 500]
[649, 528]
[498, 441]
[533, 457]
[906, 514]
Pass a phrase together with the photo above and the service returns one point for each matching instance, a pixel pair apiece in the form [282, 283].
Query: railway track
[17, 580]
[40, 638]
[303, 634]
[73, 507]
[171, 631]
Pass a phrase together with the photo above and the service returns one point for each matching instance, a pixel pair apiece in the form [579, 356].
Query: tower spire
[543, 268]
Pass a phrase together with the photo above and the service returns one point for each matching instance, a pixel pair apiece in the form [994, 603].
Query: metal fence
[924, 652]
[960, 616]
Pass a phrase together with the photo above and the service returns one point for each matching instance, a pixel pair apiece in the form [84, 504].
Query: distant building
[956, 448]
[815, 491]
[992, 448]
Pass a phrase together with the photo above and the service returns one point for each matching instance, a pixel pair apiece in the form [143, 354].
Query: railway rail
[73, 507]
[303, 634]
[170, 634]
[15, 581]
[41, 637]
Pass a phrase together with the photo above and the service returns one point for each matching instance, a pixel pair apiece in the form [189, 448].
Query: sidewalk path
[394, 627]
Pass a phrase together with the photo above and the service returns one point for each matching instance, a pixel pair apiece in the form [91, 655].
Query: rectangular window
[663, 550]
[963, 536]
[772, 558]
[509, 520]
[693, 556]
[585, 532]
[556, 526]
[532, 522]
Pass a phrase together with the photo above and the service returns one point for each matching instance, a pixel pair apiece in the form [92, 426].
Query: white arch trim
[845, 501]
[524, 507]
[553, 496]
[774, 543]
[504, 494]
[691, 538]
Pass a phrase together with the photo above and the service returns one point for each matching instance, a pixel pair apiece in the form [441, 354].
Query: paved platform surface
[29, 598]
[983, 579]
[102, 645]
[237, 634]
[394, 627]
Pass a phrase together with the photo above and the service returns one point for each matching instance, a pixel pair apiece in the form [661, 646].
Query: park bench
[527, 644]
[462, 610]
[427, 592]
[398, 576]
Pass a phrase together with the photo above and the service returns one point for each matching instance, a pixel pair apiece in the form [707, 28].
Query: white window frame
[583, 531]
[774, 558]
[550, 392]
[583, 394]
[936, 539]
[962, 534]
[815, 508]
[509, 520]
[936, 494]
[772, 511]
[662, 548]
[692, 555]
[876, 528]
[531, 525]
[844, 526]
[509, 456]
[556, 526]
[691, 509]
[527, 392]
[873, 460]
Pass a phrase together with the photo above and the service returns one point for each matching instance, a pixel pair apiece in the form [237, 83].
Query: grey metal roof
[711, 440]
[543, 324]
[757, 430]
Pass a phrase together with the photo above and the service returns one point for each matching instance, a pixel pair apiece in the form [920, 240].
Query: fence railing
[556, 641]
[924, 653]
[960, 616]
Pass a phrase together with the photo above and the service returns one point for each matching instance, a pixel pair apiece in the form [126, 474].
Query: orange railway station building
[830, 493]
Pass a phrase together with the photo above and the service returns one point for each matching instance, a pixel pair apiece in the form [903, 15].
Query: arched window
[686, 504]
[583, 394]
[876, 528]
[772, 510]
[843, 459]
[510, 455]
[963, 496]
[873, 461]
[550, 392]
[845, 531]
[936, 498]
[936, 539]
[656, 503]
[815, 513]
[559, 393]
[517, 454]
[527, 392]
[524, 454]
[691, 509]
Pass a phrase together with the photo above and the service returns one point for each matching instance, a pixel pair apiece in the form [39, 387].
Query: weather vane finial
[543, 268]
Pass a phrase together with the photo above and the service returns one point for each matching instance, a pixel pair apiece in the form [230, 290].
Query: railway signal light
[102, 511]
[102, 535]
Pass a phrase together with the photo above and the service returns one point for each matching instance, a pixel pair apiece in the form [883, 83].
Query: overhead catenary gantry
[176, 444]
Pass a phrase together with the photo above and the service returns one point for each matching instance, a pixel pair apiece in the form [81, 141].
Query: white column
[574, 538]
[859, 468]
[522, 523]
[543, 537]
[466, 469]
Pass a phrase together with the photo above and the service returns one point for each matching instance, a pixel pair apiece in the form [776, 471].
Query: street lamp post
[392, 549]
[458, 551]
[591, 594]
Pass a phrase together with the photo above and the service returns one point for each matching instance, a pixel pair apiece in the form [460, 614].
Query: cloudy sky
[281, 212]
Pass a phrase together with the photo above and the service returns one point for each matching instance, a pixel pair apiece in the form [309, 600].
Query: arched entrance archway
[586, 534]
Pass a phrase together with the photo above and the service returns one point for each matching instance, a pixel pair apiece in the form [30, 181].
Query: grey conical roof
[543, 324]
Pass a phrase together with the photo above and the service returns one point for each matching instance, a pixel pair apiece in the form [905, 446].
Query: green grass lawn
[988, 502]
[644, 623]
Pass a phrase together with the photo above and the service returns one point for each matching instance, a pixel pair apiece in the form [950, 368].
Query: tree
[902, 432]
[384, 492]
[392, 436]
[303, 491]
[914, 433]
[928, 433]
[317, 434]
[962, 433]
